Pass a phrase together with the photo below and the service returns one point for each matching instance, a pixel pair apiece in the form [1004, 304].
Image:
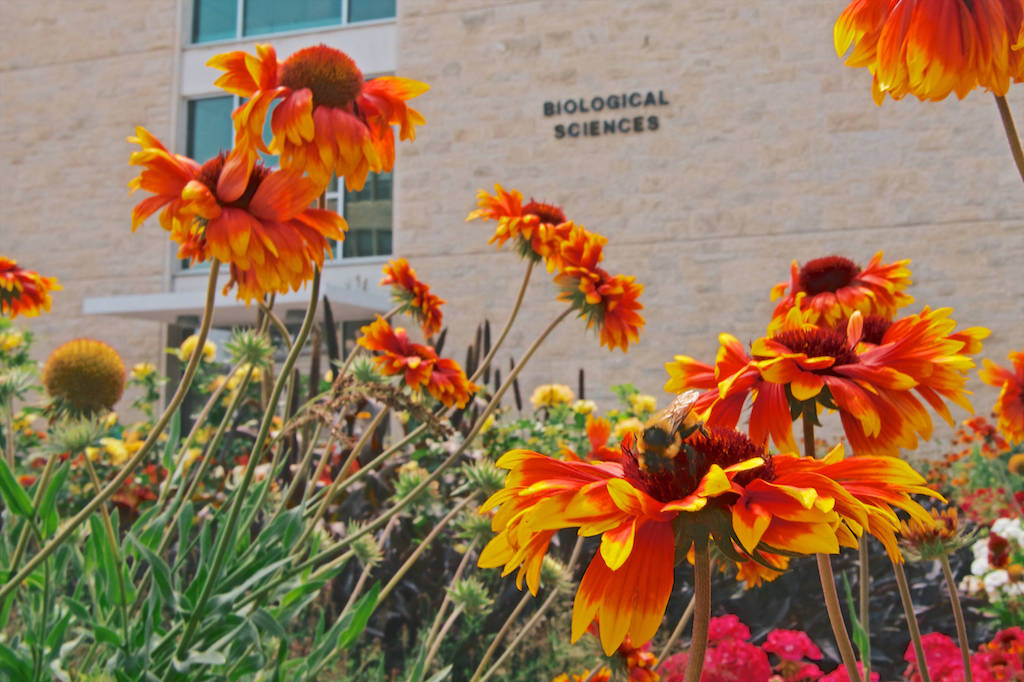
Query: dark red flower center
[818, 342]
[875, 327]
[209, 174]
[330, 74]
[548, 213]
[828, 274]
[674, 479]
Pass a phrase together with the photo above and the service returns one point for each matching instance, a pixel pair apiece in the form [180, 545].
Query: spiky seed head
[484, 477]
[471, 595]
[249, 346]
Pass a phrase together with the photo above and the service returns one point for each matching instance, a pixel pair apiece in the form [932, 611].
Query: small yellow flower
[583, 407]
[11, 340]
[641, 402]
[329, 376]
[204, 434]
[110, 420]
[631, 425]
[547, 395]
[191, 455]
[143, 371]
[188, 346]
[488, 423]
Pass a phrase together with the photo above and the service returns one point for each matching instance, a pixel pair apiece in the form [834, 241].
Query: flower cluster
[998, 567]
[878, 374]
[548, 395]
[720, 484]
[413, 295]
[24, 292]
[1001, 658]
[542, 233]
[418, 364]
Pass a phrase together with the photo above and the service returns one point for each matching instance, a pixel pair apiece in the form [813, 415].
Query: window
[235, 19]
[368, 211]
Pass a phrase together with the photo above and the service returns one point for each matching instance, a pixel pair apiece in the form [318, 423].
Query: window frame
[337, 195]
[240, 34]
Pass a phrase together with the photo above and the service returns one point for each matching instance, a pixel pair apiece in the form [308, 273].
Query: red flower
[22, 291]
[413, 295]
[791, 645]
[413, 361]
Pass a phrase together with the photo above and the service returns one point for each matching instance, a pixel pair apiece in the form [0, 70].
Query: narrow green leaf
[860, 637]
[441, 674]
[174, 438]
[361, 615]
[264, 621]
[10, 662]
[161, 571]
[48, 505]
[106, 635]
[14, 495]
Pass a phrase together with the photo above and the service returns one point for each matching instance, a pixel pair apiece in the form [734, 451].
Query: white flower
[1011, 529]
[971, 584]
[993, 582]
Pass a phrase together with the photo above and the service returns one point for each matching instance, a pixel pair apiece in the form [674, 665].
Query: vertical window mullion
[344, 12]
[239, 19]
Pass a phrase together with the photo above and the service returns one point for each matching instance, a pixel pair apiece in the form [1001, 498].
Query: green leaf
[12, 663]
[361, 615]
[161, 571]
[441, 674]
[199, 658]
[14, 495]
[264, 621]
[860, 637]
[106, 635]
[48, 505]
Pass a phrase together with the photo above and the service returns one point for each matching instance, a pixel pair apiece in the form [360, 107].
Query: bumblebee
[664, 433]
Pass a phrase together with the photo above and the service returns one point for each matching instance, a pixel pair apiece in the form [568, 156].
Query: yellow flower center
[828, 274]
[330, 75]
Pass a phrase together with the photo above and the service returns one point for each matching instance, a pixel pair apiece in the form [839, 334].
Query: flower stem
[9, 431]
[908, 611]
[424, 544]
[452, 458]
[364, 576]
[44, 481]
[864, 587]
[440, 638]
[460, 569]
[508, 324]
[828, 579]
[701, 611]
[227, 535]
[489, 654]
[835, 616]
[1011, 134]
[678, 632]
[115, 550]
[538, 614]
[958, 616]
[129, 467]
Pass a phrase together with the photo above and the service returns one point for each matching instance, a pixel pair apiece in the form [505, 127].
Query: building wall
[770, 150]
[77, 78]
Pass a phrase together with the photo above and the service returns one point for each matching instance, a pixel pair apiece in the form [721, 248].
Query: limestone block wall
[770, 150]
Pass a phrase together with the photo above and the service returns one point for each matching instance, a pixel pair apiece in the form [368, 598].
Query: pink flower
[732, 660]
[791, 645]
[727, 627]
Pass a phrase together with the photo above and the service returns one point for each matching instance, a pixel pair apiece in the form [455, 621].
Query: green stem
[44, 481]
[459, 570]
[1011, 134]
[701, 612]
[501, 635]
[129, 467]
[678, 632]
[958, 616]
[9, 431]
[227, 535]
[421, 548]
[508, 324]
[864, 587]
[440, 638]
[364, 576]
[454, 457]
[538, 614]
[908, 611]
[303, 467]
[115, 549]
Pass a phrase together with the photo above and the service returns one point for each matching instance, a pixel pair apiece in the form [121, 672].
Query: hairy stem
[129, 467]
[701, 612]
[958, 616]
[1011, 134]
[864, 588]
[508, 324]
[908, 611]
[678, 632]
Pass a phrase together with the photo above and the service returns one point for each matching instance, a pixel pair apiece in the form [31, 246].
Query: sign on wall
[619, 114]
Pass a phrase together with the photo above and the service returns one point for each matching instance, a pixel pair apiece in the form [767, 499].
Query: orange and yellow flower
[418, 364]
[330, 121]
[260, 223]
[413, 295]
[930, 48]
[598, 430]
[721, 485]
[1009, 407]
[24, 292]
[609, 302]
[537, 228]
[875, 384]
[835, 287]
